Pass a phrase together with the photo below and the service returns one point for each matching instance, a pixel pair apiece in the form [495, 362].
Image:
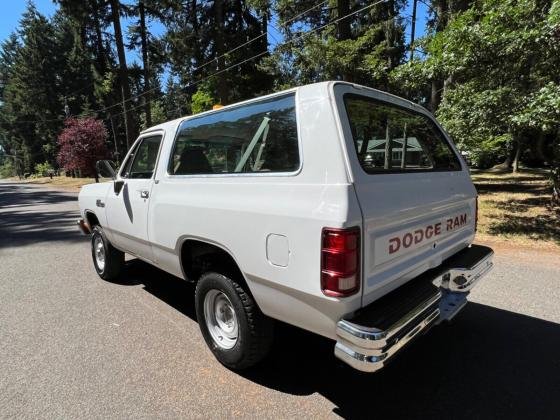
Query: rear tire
[107, 260]
[232, 325]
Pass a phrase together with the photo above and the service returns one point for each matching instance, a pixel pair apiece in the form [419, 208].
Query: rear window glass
[257, 137]
[388, 138]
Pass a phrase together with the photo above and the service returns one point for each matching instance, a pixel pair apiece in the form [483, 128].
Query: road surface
[75, 346]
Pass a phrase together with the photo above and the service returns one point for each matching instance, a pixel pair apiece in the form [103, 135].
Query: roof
[319, 85]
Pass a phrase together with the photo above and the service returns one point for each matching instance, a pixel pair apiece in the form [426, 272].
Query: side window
[142, 161]
[258, 137]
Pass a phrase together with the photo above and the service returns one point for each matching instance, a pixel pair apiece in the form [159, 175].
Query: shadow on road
[489, 363]
[28, 215]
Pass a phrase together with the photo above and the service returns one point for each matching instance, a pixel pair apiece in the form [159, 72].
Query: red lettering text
[407, 240]
[394, 245]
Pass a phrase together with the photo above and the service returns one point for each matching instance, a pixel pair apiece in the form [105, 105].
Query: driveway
[75, 346]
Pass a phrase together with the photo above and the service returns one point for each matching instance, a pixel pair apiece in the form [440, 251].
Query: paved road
[74, 346]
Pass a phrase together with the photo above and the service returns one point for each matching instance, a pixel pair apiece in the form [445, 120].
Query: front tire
[107, 260]
[232, 325]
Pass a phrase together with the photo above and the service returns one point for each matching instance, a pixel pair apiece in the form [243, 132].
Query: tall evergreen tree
[31, 100]
[205, 41]
[344, 42]
[130, 124]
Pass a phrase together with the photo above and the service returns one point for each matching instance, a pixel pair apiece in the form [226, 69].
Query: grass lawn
[516, 208]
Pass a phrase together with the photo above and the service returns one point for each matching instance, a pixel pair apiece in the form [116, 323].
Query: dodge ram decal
[397, 243]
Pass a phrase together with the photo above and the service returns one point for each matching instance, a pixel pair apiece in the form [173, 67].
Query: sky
[13, 9]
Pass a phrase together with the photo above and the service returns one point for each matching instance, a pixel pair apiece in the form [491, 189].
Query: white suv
[333, 207]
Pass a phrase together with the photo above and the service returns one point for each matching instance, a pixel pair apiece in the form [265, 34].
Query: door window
[141, 164]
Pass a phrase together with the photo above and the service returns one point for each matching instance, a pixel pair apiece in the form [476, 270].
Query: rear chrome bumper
[368, 340]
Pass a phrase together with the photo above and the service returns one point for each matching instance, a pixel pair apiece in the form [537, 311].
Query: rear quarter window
[388, 138]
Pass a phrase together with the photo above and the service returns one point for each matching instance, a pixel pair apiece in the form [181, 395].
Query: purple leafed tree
[82, 143]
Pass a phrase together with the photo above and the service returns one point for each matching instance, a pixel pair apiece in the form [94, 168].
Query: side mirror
[106, 169]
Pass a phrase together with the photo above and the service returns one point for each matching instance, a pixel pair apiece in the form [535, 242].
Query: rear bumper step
[374, 335]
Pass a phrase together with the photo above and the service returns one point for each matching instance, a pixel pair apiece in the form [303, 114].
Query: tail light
[340, 261]
[476, 214]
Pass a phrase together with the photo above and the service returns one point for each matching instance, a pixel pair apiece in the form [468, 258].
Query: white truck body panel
[271, 223]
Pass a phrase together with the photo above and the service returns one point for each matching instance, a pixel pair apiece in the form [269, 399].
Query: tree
[82, 143]
[151, 49]
[207, 41]
[31, 106]
[360, 47]
[486, 64]
[130, 126]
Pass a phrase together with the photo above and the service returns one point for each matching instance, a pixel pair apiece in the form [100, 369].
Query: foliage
[203, 40]
[82, 144]
[43, 169]
[7, 169]
[498, 60]
[361, 47]
[158, 115]
[487, 68]
[202, 101]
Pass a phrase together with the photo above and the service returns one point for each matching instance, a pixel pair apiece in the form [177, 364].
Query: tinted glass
[258, 137]
[388, 138]
[144, 159]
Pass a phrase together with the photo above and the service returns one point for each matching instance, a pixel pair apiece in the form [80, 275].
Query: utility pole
[413, 28]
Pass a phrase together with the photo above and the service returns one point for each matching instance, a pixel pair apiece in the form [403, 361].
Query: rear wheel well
[91, 220]
[198, 257]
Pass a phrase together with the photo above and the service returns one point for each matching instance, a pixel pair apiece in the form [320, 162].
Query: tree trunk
[390, 37]
[145, 63]
[219, 37]
[344, 32]
[507, 163]
[435, 96]
[540, 148]
[123, 73]
[101, 58]
[413, 28]
[264, 26]
[440, 8]
[515, 164]
[555, 175]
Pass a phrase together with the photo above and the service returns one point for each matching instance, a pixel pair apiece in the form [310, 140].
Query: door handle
[144, 193]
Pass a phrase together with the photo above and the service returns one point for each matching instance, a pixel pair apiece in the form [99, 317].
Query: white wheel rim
[220, 319]
[99, 252]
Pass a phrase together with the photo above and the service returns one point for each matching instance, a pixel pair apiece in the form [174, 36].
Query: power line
[291, 40]
[215, 58]
[235, 49]
[259, 36]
